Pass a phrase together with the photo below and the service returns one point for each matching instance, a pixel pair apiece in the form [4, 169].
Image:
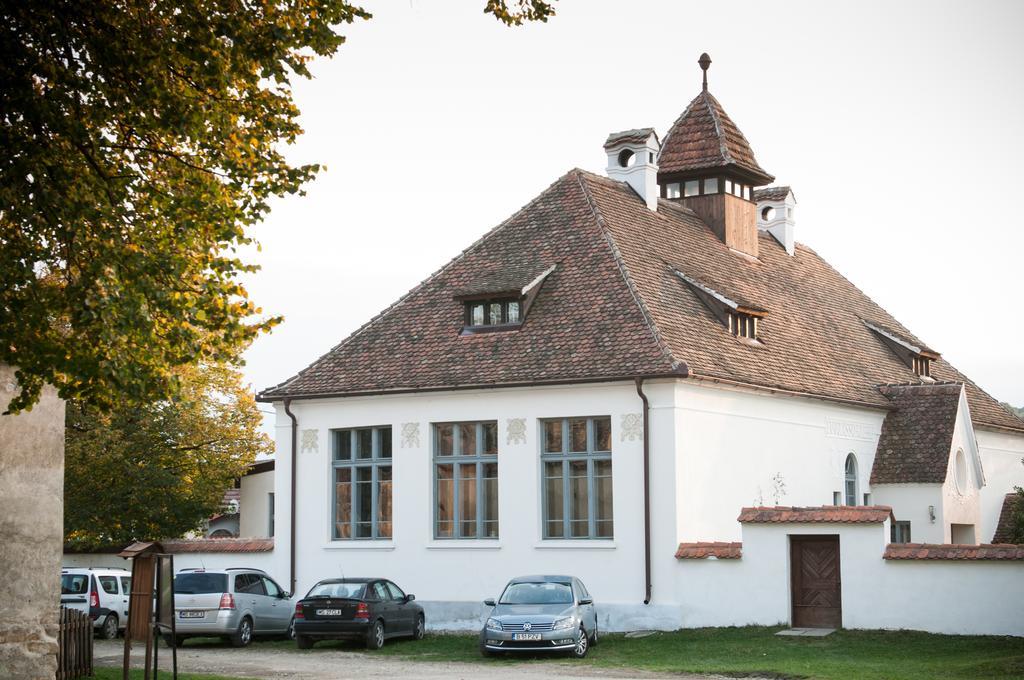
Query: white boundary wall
[964, 597]
[220, 560]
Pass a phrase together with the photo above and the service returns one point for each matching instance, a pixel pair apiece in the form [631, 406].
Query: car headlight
[564, 624]
[493, 624]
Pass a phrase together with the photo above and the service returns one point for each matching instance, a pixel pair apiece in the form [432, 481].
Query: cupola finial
[705, 62]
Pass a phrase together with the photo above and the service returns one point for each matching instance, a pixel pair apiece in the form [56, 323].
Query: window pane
[711, 186]
[672, 190]
[364, 502]
[578, 508]
[476, 315]
[384, 501]
[692, 188]
[553, 436]
[553, 498]
[364, 443]
[385, 442]
[467, 439]
[578, 435]
[602, 434]
[444, 439]
[467, 500]
[728, 186]
[490, 500]
[343, 503]
[494, 312]
[603, 489]
[343, 445]
[746, 192]
[490, 438]
[445, 500]
[513, 312]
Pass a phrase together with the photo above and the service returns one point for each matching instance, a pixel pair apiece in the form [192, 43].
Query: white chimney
[633, 159]
[775, 206]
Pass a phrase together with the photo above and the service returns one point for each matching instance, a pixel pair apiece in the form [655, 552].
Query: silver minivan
[236, 604]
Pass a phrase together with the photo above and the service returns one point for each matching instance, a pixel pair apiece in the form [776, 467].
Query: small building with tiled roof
[615, 371]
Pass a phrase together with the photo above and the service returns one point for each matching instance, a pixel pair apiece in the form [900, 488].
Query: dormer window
[922, 366]
[918, 358]
[493, 312]
[743, 325]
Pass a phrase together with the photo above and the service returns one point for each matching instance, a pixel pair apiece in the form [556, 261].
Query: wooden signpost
[151, 607]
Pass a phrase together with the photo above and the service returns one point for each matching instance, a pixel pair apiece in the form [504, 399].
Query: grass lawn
[865, 655]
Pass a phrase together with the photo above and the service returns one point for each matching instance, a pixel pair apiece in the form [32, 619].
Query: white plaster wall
[254, 505]
[731, 443]
[910, 502]
[976, 598]
[451, 577]
[1001, 455]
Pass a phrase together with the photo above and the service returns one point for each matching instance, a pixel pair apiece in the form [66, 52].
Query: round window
[626, 158]
[768, 214]
[960, 471]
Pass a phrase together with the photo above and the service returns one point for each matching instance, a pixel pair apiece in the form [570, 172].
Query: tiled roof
[942, 551]
[614, 307]
[828, 514]
[1005, 524]
[771, 193]
[638, 135]
[917, 436]
[717, 549]
[511, 277]
[219, 545]
[704, 137]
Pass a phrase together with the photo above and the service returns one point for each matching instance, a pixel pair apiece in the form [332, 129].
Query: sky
[898, 125]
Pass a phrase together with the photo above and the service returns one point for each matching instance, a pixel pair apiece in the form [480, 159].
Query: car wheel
[420, 630]
[290, 633]
[593, 638]
[108, 631]
[242, 636]
[375, 636]
[582, 645]
[303, 642]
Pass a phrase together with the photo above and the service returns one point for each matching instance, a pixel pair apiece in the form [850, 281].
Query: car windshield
[348, 591]
[196, 583]
[73, 584]
[537, 593]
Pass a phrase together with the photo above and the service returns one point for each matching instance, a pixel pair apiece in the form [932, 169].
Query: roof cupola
[707, 163]
[633, 159]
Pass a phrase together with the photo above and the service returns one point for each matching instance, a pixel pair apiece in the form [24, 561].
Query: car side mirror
[490, 602]
[409, 597]
[586, 600]
[281, 595]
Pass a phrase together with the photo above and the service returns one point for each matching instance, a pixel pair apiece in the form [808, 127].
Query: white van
[100, 592]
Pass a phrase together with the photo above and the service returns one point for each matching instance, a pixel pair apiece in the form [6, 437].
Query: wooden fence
[74, 645]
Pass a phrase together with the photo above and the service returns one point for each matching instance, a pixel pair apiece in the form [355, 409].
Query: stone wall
[31, 532]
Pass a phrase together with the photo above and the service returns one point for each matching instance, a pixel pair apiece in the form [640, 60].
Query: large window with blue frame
[576, 463]
[361, 465]
[465, 480]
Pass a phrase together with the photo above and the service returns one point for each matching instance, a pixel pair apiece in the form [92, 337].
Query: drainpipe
[291, 533]
[647, 492]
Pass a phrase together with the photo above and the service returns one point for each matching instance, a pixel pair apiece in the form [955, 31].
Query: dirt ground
[284, 664]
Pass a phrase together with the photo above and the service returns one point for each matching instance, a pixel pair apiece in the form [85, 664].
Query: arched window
[851, 480]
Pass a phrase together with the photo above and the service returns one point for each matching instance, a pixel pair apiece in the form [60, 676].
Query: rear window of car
[197, 584]
[348, 591]
[537, 593]
[109, 584]
[74, 584]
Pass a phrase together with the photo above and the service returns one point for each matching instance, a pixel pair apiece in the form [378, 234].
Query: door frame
[794, 541]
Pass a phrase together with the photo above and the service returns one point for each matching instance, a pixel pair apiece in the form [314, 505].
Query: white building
[599, 386]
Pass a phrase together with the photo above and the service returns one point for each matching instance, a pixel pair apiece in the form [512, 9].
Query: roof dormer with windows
[917, 358]
[740, 319]
[493, 304]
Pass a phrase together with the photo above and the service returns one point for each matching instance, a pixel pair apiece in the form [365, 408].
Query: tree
[158, 470]
[140, 139]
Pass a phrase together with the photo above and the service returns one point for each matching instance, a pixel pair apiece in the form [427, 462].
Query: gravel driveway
[274, 664]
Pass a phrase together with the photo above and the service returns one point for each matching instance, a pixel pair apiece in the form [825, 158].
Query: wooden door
[816, 583]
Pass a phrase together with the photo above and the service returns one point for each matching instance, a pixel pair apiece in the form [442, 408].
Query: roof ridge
[617, 255]
[354, 334]
[722, 146]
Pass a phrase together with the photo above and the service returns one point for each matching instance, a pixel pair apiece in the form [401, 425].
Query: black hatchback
[371, 610]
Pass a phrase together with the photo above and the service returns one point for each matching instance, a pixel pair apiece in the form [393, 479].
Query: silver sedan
[541, 614]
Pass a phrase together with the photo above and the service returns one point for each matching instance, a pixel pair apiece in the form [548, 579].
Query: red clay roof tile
[945, 551]
[917, 437]
[219, 545]
[1004, 527]
[841, 514]
[717, 549]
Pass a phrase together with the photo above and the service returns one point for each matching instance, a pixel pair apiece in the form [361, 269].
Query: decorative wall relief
[516, 428]
[310, 441]
[632, 427]
[410, 435]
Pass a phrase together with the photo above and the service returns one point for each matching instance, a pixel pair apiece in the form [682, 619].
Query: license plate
[328, 612]
[191, 615]
[526, 636]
